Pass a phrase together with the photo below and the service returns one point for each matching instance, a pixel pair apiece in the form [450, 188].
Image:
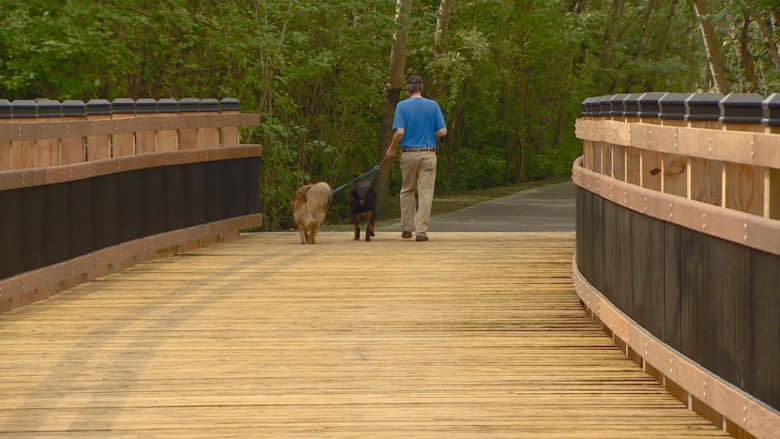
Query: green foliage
[511, 76]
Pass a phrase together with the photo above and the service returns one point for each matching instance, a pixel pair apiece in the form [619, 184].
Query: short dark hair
[414, 84]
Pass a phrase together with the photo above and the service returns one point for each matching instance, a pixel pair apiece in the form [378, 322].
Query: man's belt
[418, 149]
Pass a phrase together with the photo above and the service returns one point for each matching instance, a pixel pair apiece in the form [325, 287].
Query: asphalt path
[548, 208]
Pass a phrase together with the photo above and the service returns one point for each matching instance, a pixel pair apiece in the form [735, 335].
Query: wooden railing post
[123, 144]
[98, 147]
[5, 145]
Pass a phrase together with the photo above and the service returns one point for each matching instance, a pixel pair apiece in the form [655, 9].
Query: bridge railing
[678, 244]
[91, 188]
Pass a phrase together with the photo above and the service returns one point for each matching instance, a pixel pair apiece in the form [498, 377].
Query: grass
[446, 202]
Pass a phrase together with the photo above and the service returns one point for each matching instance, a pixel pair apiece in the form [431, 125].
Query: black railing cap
[631, 104]
[703, 106]
[208, 105]
[229, 104]
[24, 109]
[594, 106]
[123, 106]
[649, 104]
[742, 108]
[5, 109]
[616, 105]
[145, 106]
[604, 106]
[168, 105]
[74, 108]
[98, 107]
[189, 105]
[771, 106]
[673, 105]
[48, 107]
[585, 110]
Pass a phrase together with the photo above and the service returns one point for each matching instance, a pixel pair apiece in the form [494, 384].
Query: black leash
[361, 176]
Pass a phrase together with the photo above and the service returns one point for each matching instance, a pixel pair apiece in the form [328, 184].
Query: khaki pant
[419, 175]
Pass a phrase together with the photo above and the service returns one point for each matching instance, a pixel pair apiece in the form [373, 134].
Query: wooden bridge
[182, 327]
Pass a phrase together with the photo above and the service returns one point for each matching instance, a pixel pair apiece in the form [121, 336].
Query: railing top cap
[123, 105]
[74, 108]
[741, 108]
[145, 105]
[24, 109]
[771, 107]
[675, 97]
[209, 104]
[98, 107]
[703, 106]
[5, 109]
[705, 98]
[649, 104]
[168, 105]
[49, 108]
[672, 106]
[189, 105]
[651, 96]
[617, 107]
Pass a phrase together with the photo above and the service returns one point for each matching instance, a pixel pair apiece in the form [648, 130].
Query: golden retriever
[310, 204]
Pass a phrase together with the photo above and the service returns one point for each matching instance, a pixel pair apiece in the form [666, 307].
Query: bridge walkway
[468, 335]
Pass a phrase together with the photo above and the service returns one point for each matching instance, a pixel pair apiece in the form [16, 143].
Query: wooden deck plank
[467, 335]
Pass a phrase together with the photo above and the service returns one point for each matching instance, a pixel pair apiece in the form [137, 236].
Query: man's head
[414, 84]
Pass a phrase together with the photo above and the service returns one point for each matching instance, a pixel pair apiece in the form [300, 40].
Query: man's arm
[393, 147]
[441, 132]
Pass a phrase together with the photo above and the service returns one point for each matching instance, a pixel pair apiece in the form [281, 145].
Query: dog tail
[318, 199]
[319, 193]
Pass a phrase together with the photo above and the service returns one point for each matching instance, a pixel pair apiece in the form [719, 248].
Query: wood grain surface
[468, 335]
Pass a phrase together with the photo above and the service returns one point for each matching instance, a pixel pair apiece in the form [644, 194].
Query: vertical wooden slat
[672, 296]
[675, 176]
[706, 178]
[619, 162]
[633, 166]
[208, 137]
[744, 188]
[98, 147]
[651, 170]
[73, 148]
[5, 147]
[22, 152]
[168, 140]
[123, 144]
[773, 194]
[188, 137]
[145, 139]
[689, 178]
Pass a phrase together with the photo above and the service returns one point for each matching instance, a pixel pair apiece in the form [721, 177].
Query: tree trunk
[661, 44]
[395, 82]
[741, 34]
[772, 43]
[610, 33]
[440, 45]
[712, 46]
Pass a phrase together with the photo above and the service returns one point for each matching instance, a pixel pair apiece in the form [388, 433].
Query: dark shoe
[421, 238]
[406, 234]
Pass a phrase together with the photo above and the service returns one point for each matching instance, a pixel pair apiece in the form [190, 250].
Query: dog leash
[361, 176]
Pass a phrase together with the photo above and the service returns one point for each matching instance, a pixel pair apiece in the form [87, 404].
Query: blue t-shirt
[420, 118]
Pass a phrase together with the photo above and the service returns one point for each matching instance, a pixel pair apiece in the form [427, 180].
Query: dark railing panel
[58, 222]
[712, 300]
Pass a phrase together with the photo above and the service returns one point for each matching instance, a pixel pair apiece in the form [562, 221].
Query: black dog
[363, 205]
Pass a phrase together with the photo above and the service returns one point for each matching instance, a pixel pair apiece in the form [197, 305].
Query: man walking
[418, 122]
